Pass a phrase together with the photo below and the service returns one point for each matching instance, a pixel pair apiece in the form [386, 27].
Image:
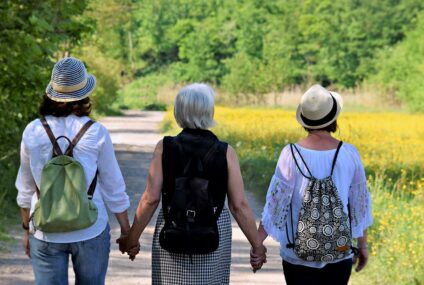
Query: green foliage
[107, 73]
[401, 69]
[253, 47]
[155, 107]
[143, 92]
[246, 75]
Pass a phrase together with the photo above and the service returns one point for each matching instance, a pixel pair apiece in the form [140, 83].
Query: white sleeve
[110, 178]
[279, 196]
[359, 199]
[25, 183]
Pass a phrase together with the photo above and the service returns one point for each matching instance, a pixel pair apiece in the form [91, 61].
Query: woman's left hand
[122, 241]
[257, 258]
[361, 259]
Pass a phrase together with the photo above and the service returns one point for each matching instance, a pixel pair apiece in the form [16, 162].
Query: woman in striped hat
[65, 111]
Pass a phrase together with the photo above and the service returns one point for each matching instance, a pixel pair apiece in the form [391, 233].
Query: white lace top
[288, 185]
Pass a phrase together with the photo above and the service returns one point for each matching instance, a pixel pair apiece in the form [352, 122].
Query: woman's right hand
[26, 243]
[125, 246]
[257, 257]
[361, 259]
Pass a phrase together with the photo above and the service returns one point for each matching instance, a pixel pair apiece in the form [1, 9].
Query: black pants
[331, 274]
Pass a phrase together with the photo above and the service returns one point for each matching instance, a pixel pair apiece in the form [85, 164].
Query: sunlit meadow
[392, 150]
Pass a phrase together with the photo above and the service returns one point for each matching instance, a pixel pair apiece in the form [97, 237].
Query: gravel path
[134, 137]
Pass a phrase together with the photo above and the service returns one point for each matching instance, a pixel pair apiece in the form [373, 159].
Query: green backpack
[64, 204]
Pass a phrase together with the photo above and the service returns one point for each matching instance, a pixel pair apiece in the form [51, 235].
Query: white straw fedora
[70, 81]
[318, 107]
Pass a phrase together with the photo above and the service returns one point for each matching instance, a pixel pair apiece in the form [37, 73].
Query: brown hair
[78, 108]
[331, 128]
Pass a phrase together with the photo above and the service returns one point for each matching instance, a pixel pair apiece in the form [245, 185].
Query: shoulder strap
[79, 135]
[206, 158]
[56, 149]
[70, 150]
[335, 157]
[92, 187]
[295, 160]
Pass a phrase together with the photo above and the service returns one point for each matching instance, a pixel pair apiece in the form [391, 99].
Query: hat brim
[72, 96]
[339, 102]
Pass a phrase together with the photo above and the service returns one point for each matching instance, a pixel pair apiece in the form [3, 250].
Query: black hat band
[323, 120]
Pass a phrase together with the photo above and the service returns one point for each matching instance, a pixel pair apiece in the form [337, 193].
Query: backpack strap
[70, 152]
[293, 146]
[335, 157]
[354, 249]
[77, 138]
[92, 187]
[56, 149]
[290, 244]
[206, 158]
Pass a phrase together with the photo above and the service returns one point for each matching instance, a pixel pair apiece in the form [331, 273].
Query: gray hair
[194, 106]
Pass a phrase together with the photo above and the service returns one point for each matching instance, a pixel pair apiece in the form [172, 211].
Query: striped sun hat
[70, 81]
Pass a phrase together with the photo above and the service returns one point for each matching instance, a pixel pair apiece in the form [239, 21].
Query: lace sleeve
[360, 208]
[279, 197]
[276, 208]
[359, 200]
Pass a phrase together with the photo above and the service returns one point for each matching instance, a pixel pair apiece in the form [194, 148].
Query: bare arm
[123, 221]
[237, 201]
[150, 199]
[25, 216]
[362, 257]
[262, 233]
[25, 222]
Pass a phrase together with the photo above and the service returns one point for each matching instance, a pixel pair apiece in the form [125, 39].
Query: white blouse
[94, 151]
[288, 186]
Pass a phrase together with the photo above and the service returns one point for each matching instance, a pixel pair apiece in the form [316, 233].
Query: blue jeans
[89, 259]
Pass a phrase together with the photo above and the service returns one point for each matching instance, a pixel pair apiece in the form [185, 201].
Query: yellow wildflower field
[389, 143]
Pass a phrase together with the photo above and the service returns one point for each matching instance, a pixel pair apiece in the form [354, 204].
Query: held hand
[122, 241]
[124, 246]
[132, 252]
[361, 259]
[257, 257]
[26, 244]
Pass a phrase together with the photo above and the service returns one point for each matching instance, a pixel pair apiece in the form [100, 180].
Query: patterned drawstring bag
[323, 230]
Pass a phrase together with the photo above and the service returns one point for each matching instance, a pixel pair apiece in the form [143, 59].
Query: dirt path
[134, 137]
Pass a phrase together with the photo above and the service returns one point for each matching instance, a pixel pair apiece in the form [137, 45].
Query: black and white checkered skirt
[213, 268]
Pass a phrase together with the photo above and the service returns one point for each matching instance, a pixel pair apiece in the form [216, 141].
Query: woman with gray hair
[194, 173]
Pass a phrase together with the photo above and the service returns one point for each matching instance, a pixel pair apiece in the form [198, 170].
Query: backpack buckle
[191, 213]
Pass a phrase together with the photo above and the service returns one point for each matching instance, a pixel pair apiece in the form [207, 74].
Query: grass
[395, 239]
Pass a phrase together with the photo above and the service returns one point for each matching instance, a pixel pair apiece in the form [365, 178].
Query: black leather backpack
[191, 216]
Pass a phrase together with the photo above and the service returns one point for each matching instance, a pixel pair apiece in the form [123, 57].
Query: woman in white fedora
[64, 111]
[318, 199]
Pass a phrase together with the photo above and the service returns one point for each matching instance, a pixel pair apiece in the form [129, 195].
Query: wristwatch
[25, 227]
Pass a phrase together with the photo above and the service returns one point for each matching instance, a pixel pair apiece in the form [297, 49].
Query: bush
[143, 92]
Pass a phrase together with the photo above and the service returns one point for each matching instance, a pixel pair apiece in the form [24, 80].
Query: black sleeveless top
[194, 143]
